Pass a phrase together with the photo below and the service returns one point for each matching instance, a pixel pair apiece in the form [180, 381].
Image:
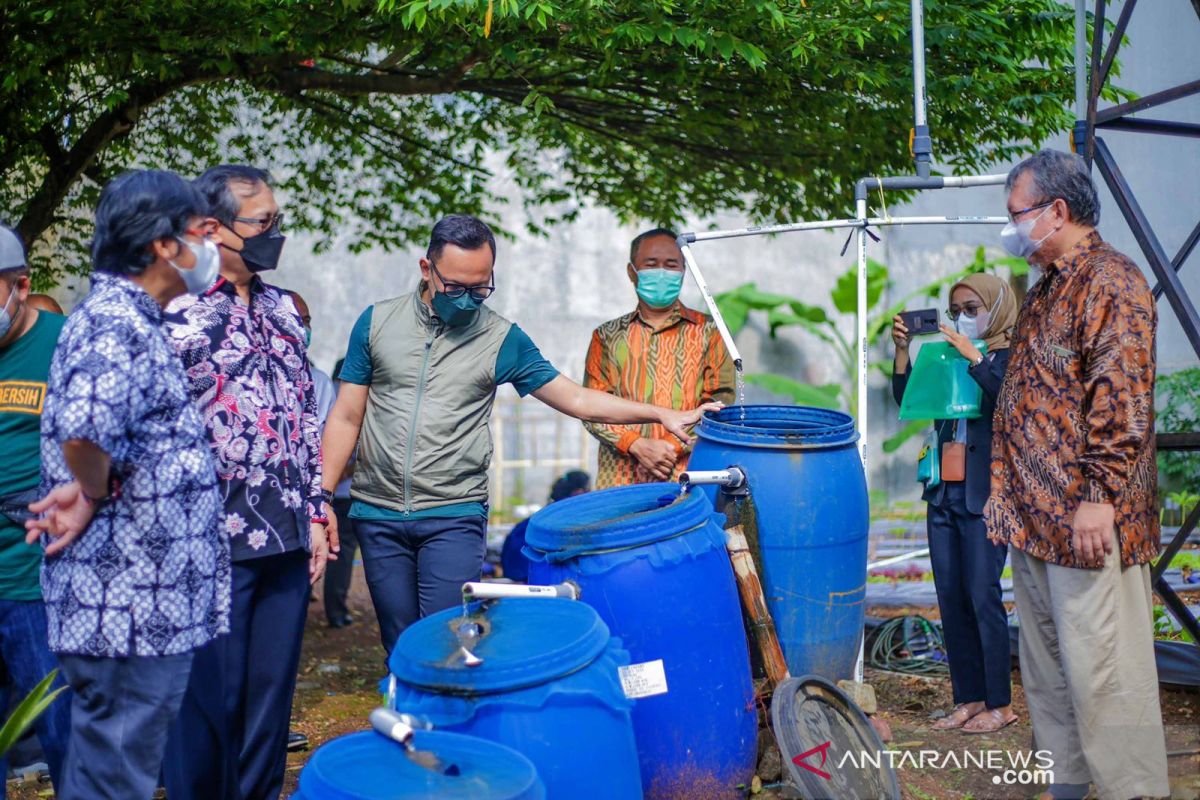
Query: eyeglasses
[263, 224]
[1013, 216]
[970, 309]
[456, 290]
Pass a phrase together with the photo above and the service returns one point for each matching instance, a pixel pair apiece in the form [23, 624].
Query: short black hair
[650, 234]
[136, 209]
[216, 186]
[568, 484]
[460, 230]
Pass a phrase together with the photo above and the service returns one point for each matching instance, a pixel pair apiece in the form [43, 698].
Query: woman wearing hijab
[966, 566]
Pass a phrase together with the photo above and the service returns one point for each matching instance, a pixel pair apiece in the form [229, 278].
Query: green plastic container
[940, 386]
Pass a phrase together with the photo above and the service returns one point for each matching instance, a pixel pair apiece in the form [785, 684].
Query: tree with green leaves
[379, 115]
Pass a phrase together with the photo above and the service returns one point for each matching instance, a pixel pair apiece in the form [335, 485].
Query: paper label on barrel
[643, 680]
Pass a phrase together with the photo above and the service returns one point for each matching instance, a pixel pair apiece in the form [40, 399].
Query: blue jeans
[417, 568]
[28, 659]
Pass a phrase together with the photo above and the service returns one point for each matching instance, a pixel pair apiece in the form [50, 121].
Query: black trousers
[230, 739]
[338, 573]
[966, 574]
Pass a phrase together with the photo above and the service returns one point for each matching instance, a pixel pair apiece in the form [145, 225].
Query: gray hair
[216, 184]
[1061, 175]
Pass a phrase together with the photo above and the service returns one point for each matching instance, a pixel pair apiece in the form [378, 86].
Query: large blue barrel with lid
[654, 565]
[808, 507]
[547, 687]
[449, 766]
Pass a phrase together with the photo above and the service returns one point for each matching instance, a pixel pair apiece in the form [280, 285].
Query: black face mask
[261, 253]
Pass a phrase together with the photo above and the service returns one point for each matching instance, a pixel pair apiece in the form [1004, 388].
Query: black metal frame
[1166, 269]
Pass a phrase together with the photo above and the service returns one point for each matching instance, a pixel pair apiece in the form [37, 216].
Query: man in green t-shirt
[27, 340]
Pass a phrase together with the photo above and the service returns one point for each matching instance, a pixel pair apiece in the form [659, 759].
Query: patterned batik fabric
[1075, 417]
[150, 575]
[249, 375]
[680, 365]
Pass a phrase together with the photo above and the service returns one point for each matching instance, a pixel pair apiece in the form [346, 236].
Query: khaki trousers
[1087, 667]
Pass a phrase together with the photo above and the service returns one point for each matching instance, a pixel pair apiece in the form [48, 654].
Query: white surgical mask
[1017, 237]
[200, 278]
[971, 326]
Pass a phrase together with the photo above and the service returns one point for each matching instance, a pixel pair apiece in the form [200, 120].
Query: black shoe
[341, 622]
[296, 741]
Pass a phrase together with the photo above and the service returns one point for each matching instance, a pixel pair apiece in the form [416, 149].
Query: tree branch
[65, 169]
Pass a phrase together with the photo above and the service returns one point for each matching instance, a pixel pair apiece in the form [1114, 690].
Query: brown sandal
[955, 719]
[994, 721]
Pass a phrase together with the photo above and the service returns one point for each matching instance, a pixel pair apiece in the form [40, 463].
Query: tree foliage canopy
[379, 115]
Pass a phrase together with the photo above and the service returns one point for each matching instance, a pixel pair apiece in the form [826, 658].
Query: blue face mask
[659, 288]
[308, 338]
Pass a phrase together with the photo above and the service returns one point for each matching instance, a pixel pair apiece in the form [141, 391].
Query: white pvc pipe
[861, 324]
[495, 591]
[860, 208]
[690, 261]
[897, 559]
[967, 181]
[874, 222]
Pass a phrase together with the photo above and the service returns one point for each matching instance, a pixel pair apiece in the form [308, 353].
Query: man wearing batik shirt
[662, 353]
[242, 347]
[136, 575]
[1074, 488]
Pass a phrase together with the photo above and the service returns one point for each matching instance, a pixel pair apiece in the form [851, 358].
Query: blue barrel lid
[524, 642]
[368, 766]
[785, 427]
[616, 519]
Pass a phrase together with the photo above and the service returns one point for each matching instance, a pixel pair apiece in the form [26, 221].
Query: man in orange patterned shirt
[1074, 488]
[663, 353]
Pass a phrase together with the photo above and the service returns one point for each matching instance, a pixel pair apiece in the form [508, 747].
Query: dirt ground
[340, 670]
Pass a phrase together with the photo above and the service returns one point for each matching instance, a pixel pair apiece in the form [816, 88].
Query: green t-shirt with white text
[24, 367]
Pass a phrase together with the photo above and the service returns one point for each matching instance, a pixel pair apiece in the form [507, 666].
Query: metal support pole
[1081, 84]
[1079, 134]
[1142, 231]
[922, 143]
[726, 336]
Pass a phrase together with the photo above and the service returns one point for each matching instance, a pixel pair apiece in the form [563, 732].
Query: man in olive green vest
[418, 382]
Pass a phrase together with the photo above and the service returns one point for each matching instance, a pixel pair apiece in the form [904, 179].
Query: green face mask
[455, 312]
[659, 288]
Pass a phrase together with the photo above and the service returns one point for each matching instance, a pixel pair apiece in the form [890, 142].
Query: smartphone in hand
[920, 322]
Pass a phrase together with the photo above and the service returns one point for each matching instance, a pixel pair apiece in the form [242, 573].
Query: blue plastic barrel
[547, 687]
[809, 510]
[655, 567]
[367, 766]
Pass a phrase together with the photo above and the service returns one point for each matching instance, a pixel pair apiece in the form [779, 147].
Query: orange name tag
[954, 461]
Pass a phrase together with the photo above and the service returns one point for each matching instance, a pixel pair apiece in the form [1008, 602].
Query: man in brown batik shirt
[1074, 486]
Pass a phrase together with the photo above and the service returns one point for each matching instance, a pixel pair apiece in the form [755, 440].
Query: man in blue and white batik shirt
[136, 576]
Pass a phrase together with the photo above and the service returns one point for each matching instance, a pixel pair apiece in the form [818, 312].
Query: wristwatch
[977, 361]
[112, 491]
